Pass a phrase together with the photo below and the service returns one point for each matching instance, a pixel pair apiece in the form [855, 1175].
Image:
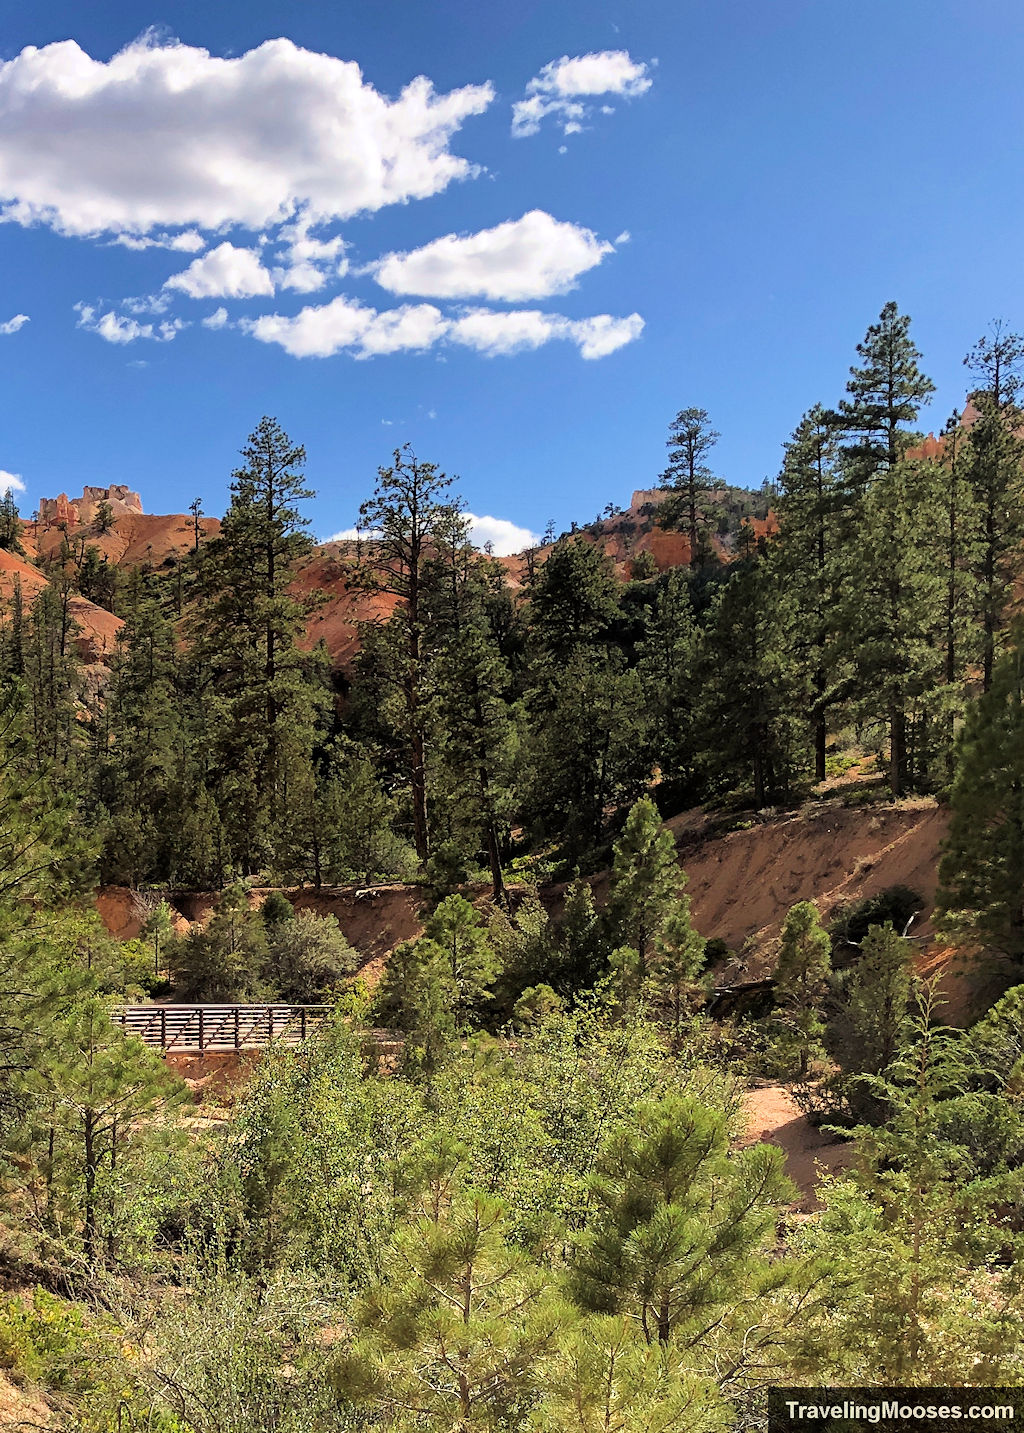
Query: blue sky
[743, 184]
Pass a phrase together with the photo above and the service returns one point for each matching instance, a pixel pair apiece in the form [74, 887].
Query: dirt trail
[773, 1117]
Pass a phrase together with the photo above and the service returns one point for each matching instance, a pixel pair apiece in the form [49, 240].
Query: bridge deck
[220, 1027]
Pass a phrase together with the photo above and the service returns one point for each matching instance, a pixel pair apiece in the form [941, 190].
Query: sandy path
[773, 1117]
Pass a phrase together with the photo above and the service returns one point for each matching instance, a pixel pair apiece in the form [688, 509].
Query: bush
[308, 956]
[851, 922]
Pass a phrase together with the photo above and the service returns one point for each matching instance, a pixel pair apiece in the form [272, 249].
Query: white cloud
[307, 263]
[187, 242]
[345, 325]
[498, 334]
[116, 328]
[11, 482]
[217, 319]
[602, 72]
[501, 333]
[525, 258]
[561, 85]
[505, 537]
[168, 136]
[13, 324]
[225, 272]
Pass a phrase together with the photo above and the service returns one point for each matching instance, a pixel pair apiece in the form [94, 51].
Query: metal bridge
[220, 1027]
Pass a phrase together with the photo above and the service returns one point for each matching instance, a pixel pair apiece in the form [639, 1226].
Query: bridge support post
[163, 1027]
[202, 1046]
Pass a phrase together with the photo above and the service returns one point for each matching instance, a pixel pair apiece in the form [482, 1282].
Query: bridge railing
[220, 1027]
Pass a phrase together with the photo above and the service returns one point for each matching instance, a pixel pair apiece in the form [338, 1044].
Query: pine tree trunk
[897, 749]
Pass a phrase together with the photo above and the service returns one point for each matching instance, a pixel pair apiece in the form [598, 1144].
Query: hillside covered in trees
[538, 1213]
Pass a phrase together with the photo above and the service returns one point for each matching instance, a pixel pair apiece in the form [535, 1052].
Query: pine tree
[96, 1094]
[587, 751]
[894, 611]
[801, 976]
[994, 472]
[647, 883]
[605, 1380]
[813, 507]
[52, 677]
[885, 395]
[409, 516]
[473, 722]
[691, 438]
[573, 601]
[10, 524]
[680, 1231]
[455, 1332]
[867, 1028]
[264, 697]
[456, 943]
[227, 958]
[158, 927]
[667, 659]
[981, 874]
[958, 550]
[752, 695]
[138, 780]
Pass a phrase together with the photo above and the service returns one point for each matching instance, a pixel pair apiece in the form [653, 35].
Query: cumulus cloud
[217, 319]
[190, 241]
[505, 537]
[525, 258]
[318, 331]
[345, 325]
[225, 272]
[499, 334]
[11, 482]
[169, 137]
[117, 328]
[13, 324]
[306, 263]
[563, 87]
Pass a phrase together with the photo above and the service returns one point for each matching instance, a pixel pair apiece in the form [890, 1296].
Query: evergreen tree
[605, 1380]
[456, 943]
[667, 660]
[158, 927]
[981, 874]
[10, 524]
[801, 976]
[475, 731]
[690, 440]
[264, 697]
[958, 552]
[679, 1233]
[885, 394]
[52, 677]
[95, 1095]
[894, 610]
[409, 515]
[573, 602]
[454, 1333]
[867, 1028]
[647, 883]
[994, 472]
[811, 550]
[138, 780]
[587, 751]
[752, 698]
[227, 958]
